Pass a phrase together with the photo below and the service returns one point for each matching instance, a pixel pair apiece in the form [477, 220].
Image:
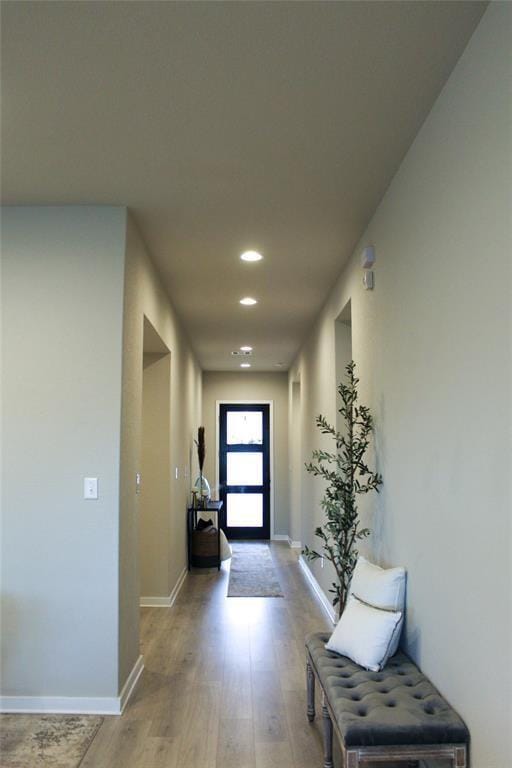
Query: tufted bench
[396, 714]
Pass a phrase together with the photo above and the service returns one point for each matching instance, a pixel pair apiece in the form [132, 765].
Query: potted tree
[347, 476]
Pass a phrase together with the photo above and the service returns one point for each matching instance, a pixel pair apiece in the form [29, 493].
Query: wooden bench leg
[328, 763]
[460, 757]
[310, 677]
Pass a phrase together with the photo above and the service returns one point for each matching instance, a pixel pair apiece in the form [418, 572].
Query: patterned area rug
[252, 571]
[45, 741]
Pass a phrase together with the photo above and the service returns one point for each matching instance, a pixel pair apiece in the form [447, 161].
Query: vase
[202, 489]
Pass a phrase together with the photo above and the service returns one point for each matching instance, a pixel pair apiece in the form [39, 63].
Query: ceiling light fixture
[245, 365]
[245, 348]
[248, 302]
[251, 256]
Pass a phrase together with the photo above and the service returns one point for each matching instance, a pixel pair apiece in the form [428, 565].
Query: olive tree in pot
[347, 476]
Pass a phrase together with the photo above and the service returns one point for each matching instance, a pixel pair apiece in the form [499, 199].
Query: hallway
[220, 208]
[224, 682]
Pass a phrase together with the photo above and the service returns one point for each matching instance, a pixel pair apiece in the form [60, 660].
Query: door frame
[270, 403]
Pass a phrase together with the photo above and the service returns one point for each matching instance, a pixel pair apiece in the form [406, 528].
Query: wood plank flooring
[224, 681]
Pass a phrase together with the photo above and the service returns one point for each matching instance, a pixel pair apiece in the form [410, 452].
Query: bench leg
[328, 763]
[460, 757]
[310, 677]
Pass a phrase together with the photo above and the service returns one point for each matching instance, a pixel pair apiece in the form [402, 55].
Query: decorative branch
[201, 448]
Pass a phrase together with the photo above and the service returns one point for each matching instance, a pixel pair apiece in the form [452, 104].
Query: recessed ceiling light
[245, 365]
[251, 256]
[245, 348]
[248, 302]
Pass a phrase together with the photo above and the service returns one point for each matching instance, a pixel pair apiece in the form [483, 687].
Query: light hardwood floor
[224, 681]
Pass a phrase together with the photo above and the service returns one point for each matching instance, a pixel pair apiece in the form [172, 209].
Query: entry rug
[45, 741]
[252, 572]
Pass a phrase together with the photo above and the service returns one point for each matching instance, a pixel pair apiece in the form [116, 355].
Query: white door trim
[270, 403]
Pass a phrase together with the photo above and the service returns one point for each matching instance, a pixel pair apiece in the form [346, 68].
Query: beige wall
[296, 463]
[342, 356]
[62, 298]
[432, 345]
[259, 387]
[144, 296]
[155, 495]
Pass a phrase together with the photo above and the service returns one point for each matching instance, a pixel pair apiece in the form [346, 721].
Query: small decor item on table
[347, 476]
[201, 486]
[202, 491]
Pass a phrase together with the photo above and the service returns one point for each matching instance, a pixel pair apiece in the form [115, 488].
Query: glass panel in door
[244, 464]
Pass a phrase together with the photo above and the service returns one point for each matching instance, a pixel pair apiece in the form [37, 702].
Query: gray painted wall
[432, 345]
[62, 298]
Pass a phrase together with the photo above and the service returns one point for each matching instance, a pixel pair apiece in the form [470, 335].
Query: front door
[244, 470]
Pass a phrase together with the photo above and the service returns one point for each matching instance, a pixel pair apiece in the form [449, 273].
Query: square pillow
[381, 587]
[365, 634]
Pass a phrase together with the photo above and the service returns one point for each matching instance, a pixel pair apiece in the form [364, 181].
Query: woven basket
[205, 543]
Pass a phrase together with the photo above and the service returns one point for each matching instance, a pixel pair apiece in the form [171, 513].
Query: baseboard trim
[75, 705]
[131, 683]
[155, 602]
[60, 705]
[317, 589]
[165, 602]
[285, 537]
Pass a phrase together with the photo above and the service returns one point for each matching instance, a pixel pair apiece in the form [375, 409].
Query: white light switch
[90, 487]
[176, 472]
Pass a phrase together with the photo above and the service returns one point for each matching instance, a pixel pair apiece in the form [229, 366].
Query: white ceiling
[226, 126]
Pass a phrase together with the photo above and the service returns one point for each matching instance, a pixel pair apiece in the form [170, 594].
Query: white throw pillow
[380, 587]
[225, 546]
[383, 588]
[365, 634]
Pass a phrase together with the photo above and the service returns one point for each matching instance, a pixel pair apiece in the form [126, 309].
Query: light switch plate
[90, 487]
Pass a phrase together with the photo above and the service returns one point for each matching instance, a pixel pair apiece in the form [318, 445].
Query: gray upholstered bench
[396, 714]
